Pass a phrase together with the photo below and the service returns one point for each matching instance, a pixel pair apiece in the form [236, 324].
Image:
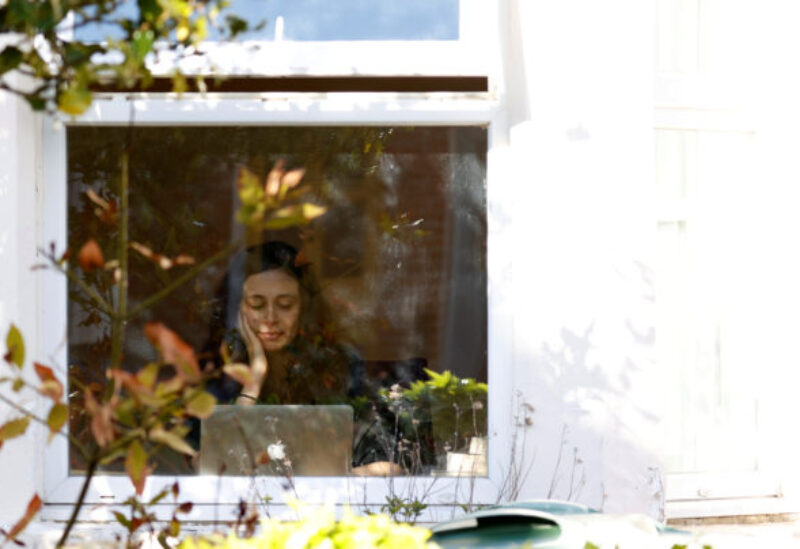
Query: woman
[284, 333]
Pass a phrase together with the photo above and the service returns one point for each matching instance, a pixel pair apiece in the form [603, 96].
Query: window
[402, 253]
[398, 260]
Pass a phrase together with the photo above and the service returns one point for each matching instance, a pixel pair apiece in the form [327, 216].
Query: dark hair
[316, 324]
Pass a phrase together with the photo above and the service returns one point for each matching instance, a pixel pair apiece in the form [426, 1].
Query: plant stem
[118, 321]
[81, 497]
[88, 290]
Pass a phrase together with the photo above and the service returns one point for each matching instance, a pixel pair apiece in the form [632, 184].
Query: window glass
[372, 316]
[318, 20]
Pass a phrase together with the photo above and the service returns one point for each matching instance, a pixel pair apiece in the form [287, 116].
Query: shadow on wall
[595, 425]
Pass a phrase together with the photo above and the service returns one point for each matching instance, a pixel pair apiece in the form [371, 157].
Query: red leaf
[91, 256]
[300, 260]
[102, 425]
[173, 350]
[138, 390]
[33, 507]
[51, 387]
[185, 507]
[107, 210]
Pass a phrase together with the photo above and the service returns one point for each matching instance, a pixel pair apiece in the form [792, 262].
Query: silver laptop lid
[297, 439]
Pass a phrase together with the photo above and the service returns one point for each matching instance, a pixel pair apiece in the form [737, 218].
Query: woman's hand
[258, 362]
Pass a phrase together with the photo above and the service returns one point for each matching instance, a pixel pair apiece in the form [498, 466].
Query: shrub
[321, 529]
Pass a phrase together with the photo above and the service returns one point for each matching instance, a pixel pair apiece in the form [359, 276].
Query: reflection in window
[316, 20]
[393, 274]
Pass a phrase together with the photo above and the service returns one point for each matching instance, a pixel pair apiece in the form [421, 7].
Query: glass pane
[319, 20]
[370, 299]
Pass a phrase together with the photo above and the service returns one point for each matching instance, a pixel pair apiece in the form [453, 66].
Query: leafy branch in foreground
[133, 415]
[55, 69]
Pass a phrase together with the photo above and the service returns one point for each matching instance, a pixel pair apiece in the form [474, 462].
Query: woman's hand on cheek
[258, 360]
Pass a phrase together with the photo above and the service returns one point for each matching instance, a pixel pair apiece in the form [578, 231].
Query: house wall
[20, 462]
[578, 85]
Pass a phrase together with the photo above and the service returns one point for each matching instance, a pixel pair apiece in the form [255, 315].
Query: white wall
[580, 84]
[20, 465]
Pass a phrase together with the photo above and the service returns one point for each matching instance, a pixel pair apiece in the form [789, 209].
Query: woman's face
[271, 307]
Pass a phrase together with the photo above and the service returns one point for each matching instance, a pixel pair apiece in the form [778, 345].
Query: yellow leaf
[74, 100]
[15, 346]
[238, 372]
[172, 440]
[136, 466]
[57, 418]
[179, 84]
[291, 216]
[14, 428]
[148, 375]
[182, 32]
[201, 405]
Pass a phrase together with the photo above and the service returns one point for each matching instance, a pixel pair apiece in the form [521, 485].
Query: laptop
[296, 439]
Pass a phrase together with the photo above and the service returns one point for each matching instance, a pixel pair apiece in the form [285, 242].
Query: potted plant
[452, 411]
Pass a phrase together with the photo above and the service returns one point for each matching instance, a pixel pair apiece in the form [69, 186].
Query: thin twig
[185, 277]
[98, 300]
[119, 320]
[93, 462]
[37, 419]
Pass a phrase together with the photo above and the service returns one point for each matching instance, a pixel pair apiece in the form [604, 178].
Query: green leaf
[19, 383]
[150, 10]
[10, 58]
[36, 102]
[235, 25]
[77, 53]
[122, 519]
[15, 346]
[57, 418]
[142, 44]
[201, 405]
[136, 466]
[113, 456]
[159, 496]
[14, 428]
[172, 440]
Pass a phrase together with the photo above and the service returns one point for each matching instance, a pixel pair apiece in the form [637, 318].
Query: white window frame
[473, 54]
[215, 497]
